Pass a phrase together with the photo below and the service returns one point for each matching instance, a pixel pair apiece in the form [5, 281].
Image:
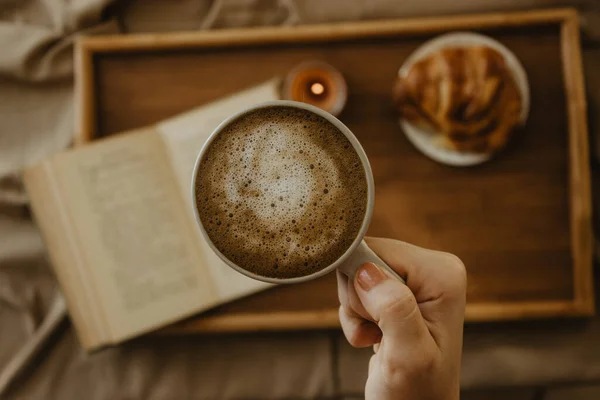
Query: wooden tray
[521, 223]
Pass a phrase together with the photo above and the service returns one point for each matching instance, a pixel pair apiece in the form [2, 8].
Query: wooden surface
[582, 239]
[526, 241]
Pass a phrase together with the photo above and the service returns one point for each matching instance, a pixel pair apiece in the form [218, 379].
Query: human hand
[415, 329]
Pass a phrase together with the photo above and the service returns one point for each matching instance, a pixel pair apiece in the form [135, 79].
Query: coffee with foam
[281, 192]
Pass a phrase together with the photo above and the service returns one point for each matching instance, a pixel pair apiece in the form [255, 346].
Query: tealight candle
[316, 83]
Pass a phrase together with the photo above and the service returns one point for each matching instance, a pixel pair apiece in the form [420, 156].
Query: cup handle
[363, 254]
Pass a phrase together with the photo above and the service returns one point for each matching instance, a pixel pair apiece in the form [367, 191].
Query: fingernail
[369, 276]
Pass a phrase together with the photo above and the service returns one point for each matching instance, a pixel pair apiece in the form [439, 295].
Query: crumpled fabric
[36, 120]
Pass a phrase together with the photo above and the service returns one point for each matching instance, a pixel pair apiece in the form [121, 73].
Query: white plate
[422, 139]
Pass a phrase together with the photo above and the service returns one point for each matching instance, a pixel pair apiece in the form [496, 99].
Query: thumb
[392, 306]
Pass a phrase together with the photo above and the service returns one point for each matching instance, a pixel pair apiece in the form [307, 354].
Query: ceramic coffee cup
[357, 254]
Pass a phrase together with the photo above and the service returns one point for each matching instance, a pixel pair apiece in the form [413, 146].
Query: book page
[184, 136]
[50, 212]
[133, 227]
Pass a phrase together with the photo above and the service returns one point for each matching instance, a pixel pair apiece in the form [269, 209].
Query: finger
[394, 307]
[350, 301]
[355, 303]
[348, 297]
[358, 331]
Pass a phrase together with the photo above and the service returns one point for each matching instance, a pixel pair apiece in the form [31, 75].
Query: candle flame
[317, 88]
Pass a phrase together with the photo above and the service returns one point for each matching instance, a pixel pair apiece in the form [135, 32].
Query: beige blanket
[36, 120]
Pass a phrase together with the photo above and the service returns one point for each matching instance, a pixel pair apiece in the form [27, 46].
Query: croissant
[467, 94]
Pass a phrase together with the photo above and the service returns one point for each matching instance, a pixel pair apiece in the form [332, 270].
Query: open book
[117, 218]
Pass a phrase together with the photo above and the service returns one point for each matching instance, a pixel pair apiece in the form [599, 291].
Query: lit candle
[317, 88]
[317, 83]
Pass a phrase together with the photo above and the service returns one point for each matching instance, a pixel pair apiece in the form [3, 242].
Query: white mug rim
[355, 144]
